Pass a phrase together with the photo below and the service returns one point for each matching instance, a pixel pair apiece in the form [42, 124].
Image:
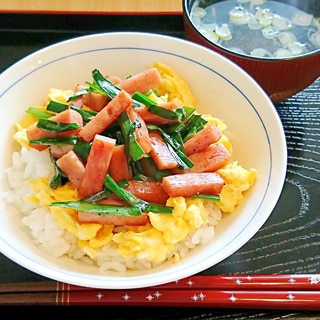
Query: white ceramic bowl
[220, 88]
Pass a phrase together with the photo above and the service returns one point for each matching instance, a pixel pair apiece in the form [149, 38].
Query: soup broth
[258, 28]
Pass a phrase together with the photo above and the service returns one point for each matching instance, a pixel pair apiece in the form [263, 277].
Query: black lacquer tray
[288, 243]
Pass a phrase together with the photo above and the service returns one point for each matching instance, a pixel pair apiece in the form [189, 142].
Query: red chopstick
[249, 282]
[256, 299]
[308, 282]
[295, 292]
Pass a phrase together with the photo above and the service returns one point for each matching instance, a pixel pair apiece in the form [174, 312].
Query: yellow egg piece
[88, 231]
[148, 245]
[103, 237]
[174, 86]
[21, 137]
[196, 214]
[59, 95]
[238, 180]
[65, 219]
[41, 191]
[85, 247]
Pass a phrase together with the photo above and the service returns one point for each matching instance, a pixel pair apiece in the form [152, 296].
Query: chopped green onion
[124, 194]
[98, 208]
[223, 32]
[175, 144]
[55, 141]
[209, 197]
[181, 158]
[158, 110]
[189, 111]
[82, 149]
[179, 126]
[133, 148]
[143, 99]
[105, 193]
[57, 107]
[107, 87]
[87, 115]
[239, 15]
[78, 94]
[119, 137]
[93, 87]
[56, 127]
[175, 148]
[57, 179]
[152, 91]
[195, 124]
[145, 169]
[166, 113]
[41, 114]
[133, 200]
[270, 32]
[158, 208]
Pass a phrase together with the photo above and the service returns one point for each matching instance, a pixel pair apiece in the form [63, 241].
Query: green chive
[55, 141]
[209, 197]
[56, 127]
[41, 114]
[98, 208]
[57, 107]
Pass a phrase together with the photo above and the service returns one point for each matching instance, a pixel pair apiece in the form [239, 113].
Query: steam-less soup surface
[258, 28]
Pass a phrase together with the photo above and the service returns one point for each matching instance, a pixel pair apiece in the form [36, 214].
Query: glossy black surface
[289, 242]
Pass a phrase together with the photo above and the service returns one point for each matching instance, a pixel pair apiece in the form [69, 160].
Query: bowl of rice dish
[133, 159]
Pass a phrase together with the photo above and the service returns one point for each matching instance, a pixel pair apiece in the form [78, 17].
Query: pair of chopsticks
[294, 292]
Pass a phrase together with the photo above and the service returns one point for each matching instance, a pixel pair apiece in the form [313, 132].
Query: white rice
[32, 164]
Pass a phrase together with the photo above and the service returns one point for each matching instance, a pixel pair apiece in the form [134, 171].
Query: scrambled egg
[156, 240]
[153, 242]
[174, 86]
[238, 180]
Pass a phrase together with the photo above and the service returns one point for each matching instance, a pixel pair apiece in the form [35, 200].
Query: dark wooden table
[288, 243]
